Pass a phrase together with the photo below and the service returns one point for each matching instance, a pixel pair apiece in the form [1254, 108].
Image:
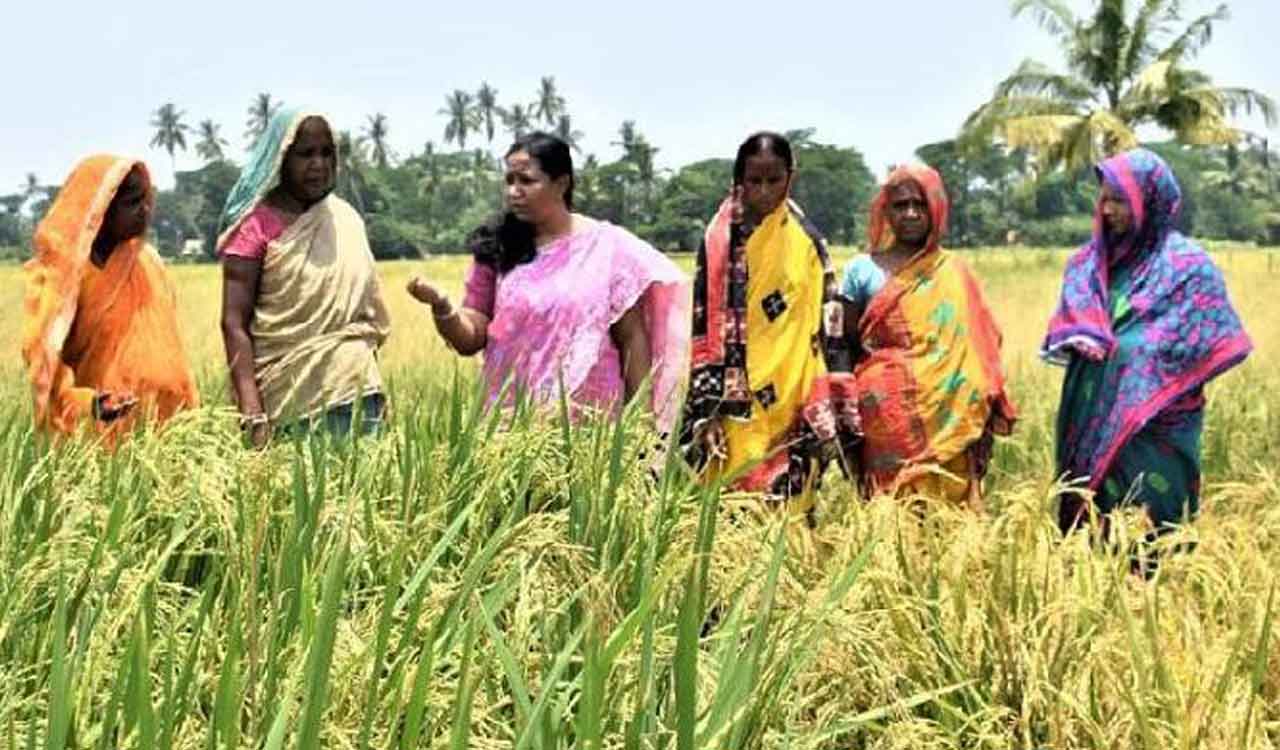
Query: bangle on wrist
[250, 421]
[451, 313]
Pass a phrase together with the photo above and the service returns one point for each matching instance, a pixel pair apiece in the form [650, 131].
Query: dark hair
[505, 241]
[758, 143]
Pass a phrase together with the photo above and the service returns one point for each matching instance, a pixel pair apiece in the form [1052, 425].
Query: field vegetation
[515, 580]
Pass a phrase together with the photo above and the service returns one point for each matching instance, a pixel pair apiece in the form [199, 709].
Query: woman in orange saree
[100, 331]
[929, 377]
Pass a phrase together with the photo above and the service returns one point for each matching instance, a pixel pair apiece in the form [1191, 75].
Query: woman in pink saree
[559, 302]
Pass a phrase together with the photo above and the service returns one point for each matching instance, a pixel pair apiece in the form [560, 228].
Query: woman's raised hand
[422, 290]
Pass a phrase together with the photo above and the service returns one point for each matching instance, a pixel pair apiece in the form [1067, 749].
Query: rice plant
[516, 579]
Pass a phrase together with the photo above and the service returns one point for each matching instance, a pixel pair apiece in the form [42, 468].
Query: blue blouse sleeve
[862, 279]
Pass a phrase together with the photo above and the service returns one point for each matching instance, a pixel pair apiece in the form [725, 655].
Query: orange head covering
[63, 242]
[880, 232]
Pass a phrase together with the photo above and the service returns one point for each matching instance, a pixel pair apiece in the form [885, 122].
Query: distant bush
[1062, 231]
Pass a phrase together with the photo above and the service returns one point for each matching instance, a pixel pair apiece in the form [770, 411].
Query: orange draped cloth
[931, 383]
[90, 330]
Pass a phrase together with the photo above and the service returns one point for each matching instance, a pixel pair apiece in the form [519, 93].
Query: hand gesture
[421, 290]
[109, 406]
[714, 444]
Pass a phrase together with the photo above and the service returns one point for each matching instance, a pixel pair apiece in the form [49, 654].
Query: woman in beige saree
[303, 315]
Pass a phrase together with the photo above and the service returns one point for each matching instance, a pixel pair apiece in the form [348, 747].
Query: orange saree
[89, 331]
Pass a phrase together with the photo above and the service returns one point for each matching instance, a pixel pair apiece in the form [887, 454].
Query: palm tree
[1242, 176]
[799, 138]
[550, 104]
[637, 150]
[171, 131]
[487, 109]
[375, 134]
[260, 113]
[518, 119]
[351, 179]
[211, 141]
[564, 129]
[627, 133]
[458, 109]
[1124, 70]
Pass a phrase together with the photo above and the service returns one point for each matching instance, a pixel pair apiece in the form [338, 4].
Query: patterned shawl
[931, 381]
[1176, 295]
[827, 427]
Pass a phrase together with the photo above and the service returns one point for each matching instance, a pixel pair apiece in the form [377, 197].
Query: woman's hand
[712, 439]
[259, 435]
[427, 294]
[108, 406]
[463, 329]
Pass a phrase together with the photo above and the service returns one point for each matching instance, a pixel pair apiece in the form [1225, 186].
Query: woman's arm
[240, 278]
[632, 340]
[463, 329]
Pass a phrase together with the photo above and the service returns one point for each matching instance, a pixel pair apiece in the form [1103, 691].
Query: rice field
[517, 581]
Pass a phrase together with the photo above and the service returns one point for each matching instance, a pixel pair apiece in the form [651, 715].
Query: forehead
[906, 190]
[1111, 192]
[314, 130]
[521, 161]
[133, 183]
[765, 162]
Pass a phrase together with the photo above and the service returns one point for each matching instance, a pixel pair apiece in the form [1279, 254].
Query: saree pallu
[320, 317]
[1143, 324]
[550, 329]
[931, 383]
[763, 361]
[88, 330]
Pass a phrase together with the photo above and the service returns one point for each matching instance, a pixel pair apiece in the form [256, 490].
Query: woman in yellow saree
[771, 399]
[100, 332]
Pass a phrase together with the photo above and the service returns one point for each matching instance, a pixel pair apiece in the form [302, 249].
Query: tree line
[1018, 170]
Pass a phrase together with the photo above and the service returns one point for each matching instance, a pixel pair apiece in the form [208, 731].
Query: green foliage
[1127, 66]
[835, 187]
[193, 208]
[688, 200]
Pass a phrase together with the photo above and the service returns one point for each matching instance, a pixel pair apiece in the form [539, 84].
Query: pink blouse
[258, 229]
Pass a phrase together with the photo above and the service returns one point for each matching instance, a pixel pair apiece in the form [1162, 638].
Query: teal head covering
[261, 172]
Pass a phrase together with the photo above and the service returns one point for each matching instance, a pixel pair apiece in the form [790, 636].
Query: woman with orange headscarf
[100, 335]
[930, 383]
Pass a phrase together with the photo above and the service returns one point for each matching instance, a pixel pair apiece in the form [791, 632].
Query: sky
[696, 77]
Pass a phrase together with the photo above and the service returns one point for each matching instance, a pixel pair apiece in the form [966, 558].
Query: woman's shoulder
[806, 225]
[341, 210]
[259, 228]
[862, 269]
[617, 237]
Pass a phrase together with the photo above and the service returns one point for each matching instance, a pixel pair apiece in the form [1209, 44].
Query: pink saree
[551, 317]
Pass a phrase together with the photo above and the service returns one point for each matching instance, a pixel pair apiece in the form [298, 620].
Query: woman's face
[909, 214]
[311, 163]
[531, 195]
[1117, 217]
[765, 183]
[130, 211]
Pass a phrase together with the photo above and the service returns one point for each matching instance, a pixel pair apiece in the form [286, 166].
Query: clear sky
[695, 76]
